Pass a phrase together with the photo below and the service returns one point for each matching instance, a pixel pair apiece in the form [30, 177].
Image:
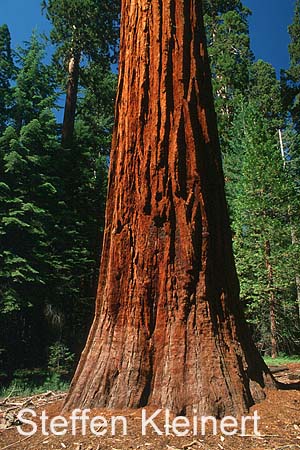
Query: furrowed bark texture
[168, 329]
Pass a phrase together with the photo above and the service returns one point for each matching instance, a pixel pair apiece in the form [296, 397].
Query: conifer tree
[264, 90]
[82, 173]
[290, 84]
[81, 29]
[291, 78]
[6, 74]
[24, 223]
[227, 32]
[35, 88]
[27, 148]
[262, 199]
[52, 200]
[96, 107]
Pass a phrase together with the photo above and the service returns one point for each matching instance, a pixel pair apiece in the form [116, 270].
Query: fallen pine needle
[260, 436]
[191, 444]
[14, 443]
[293, 446]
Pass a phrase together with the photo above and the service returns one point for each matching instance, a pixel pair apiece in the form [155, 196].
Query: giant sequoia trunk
[168, 328]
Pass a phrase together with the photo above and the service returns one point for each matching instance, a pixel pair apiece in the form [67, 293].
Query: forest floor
[279, 426]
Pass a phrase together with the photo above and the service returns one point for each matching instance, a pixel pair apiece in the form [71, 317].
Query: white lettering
[146, 422]
[114, 421]
[229, 422]
[98, 426]
[204, 420]
[27, 422]
[180, 422]
[57, 423]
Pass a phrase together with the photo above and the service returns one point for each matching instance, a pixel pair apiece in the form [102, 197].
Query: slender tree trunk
[297, 280]
[71, 99]
[168, 328]
[297, 276]
[272, 301]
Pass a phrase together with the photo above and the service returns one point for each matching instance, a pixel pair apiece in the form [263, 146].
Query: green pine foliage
[52, 203]
[290, 79]
[35, 88]
[265, 91]
[86, 28]
[6, 74]
[215, 7]
[252, 106]
[230, 58]
[26, 219]
[294, 46]
[96, 106]
[264, 201]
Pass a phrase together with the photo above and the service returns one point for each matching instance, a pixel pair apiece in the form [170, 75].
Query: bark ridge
[168, 327]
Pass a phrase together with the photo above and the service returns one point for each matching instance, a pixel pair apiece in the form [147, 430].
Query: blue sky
[268, 25]
[22, 16]
[268, 28]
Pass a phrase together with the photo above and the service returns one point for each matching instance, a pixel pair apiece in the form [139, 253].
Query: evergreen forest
[56, 121]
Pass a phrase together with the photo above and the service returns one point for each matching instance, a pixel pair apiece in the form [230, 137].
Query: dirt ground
[279, 428]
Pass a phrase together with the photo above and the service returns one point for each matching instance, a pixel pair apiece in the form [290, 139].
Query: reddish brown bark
[71, 100]
[168, 328]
